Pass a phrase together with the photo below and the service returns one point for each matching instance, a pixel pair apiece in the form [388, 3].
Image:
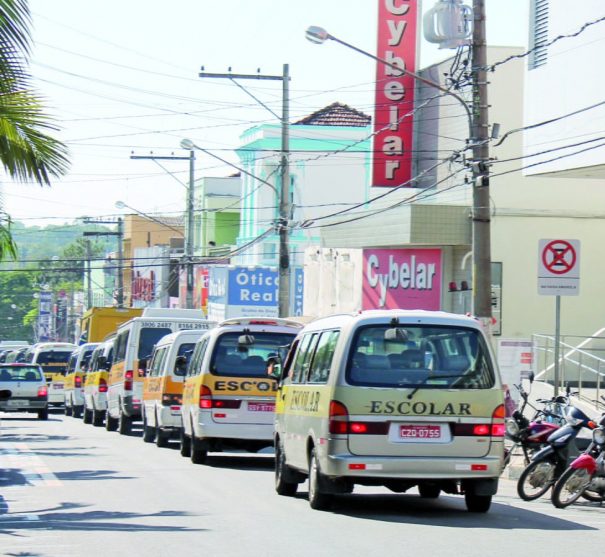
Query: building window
[269, 251]
[538, 33]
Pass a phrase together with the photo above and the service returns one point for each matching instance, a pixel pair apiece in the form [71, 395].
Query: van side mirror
[274, 368]
[180, 366]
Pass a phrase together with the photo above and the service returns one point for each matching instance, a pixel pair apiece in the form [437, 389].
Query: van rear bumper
[412, 468]
[252, 432]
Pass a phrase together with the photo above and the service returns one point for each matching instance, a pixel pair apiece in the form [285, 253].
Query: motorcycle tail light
[598, 436]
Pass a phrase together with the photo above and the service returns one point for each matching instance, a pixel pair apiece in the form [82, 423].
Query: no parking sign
[559, 267]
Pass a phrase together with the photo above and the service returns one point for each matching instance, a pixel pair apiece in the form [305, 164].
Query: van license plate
[18, 403]
[261, 406]
[58, 386]
[420, 432]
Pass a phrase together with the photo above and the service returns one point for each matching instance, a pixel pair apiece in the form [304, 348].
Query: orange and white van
[228, 399]
[133, 347]
[95, 383]
[163, 386]
[77, 367]
[52, 357]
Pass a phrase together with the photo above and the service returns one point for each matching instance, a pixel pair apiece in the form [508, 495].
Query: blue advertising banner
[217, 293]
[44, 316]
[250, 286]
[297, 290]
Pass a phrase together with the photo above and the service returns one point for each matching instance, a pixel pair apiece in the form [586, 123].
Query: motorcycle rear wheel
[570, 487]
[536, 479]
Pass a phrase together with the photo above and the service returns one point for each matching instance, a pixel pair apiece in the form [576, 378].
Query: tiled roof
[336, 114]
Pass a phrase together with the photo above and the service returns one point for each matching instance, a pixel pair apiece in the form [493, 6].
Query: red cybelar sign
[397, 28]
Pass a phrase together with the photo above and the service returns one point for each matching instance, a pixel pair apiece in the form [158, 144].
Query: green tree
[27, 151]
[17, 305]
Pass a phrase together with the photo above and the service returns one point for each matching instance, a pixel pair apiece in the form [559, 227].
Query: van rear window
[29, 373]
[229, 358]
[52, 357]
[408, 356]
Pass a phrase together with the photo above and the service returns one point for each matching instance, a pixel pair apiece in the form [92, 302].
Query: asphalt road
[69, 489]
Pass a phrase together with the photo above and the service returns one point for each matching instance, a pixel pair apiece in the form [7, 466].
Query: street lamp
[478, 140]
[283, 199]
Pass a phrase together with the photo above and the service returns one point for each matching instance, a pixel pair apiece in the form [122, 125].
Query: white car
[28, 389]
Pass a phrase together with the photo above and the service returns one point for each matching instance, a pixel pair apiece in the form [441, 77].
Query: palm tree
[27, 152]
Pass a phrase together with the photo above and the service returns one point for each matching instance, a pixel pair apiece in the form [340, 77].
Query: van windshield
[235, 360]
[431, 357]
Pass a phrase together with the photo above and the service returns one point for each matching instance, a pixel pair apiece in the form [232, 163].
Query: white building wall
[571, 79]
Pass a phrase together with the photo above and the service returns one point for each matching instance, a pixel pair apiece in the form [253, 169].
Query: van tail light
[338, 418]
[226, 403]
[102, 385]
[205, 398]
[128, 380]
[43, 391]
[496, 428]
[172, 399]
[78, 382]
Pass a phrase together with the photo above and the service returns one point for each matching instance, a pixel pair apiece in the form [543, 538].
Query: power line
[545, 45]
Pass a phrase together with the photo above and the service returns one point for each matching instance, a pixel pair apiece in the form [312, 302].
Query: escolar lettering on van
[305, 401]
[420, 408]
[245, 386]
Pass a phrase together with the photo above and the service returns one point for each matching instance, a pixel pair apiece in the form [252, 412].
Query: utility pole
[120, 236]
[482, 276]
[88, 275]
[189, 231]
[284, 190]
[189, 228]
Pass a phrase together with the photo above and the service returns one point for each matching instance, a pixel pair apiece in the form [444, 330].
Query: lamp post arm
[239, 169]
[407, 72]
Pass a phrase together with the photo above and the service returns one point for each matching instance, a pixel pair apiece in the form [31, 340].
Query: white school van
[163, 386]
[133, 347]
[397, 398]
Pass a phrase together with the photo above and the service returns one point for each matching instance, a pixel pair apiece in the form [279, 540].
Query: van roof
[265, 321]
[172, 337]
[174, 312]
[406, 316]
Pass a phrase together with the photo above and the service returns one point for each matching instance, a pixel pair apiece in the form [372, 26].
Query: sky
[120, 78]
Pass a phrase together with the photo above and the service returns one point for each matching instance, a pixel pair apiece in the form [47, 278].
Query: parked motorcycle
[585, 476]
[531, 434]
[549, 463]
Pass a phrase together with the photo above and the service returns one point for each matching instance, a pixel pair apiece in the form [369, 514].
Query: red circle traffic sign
[559, 257]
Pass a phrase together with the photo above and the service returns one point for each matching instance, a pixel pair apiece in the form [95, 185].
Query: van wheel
[185, 443]
[111, 424]
[161, 438]
[87, 416]
[148, 431]
[43, 414]
[317, 499]
[282, 486]
[67, 410]
[199, 455]
[124, 424]
[429, 491]
[477, 503]
[76, 411]
[97, 417]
